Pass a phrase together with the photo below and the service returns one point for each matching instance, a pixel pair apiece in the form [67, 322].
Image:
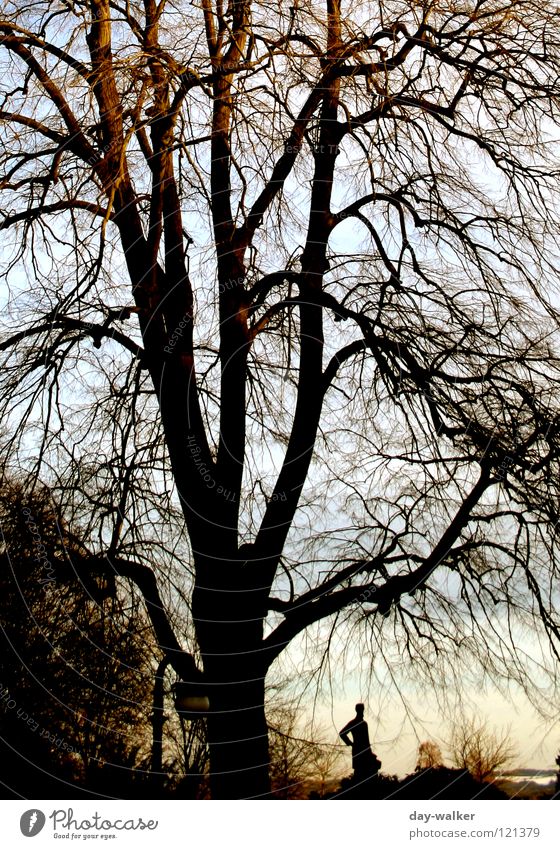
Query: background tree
[429, 755]
[301, 759]
[75, 661]
[480, 751]
[280, 329]
[326, 760]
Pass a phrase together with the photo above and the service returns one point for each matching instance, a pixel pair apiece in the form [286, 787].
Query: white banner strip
[264, 825]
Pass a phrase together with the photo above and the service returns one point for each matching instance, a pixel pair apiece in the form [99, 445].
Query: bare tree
[301, 759]
[327, 761]
[290, 766]
[429, 755]
[279, 324]
[479, 750]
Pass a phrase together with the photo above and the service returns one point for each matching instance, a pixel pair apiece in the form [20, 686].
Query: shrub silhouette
[433, 783]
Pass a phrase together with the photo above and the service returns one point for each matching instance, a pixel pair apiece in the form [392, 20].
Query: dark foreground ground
[438, 783]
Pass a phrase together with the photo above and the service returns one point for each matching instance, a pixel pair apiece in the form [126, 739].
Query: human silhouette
[364, 762]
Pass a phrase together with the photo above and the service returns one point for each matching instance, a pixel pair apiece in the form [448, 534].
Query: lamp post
[192, 705]
[158, 720]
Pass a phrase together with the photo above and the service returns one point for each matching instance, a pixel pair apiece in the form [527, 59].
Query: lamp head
[191, 699]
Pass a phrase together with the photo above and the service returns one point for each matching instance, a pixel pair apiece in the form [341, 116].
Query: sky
[395, 740]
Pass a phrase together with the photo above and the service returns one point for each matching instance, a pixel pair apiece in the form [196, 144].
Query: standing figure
[364, 762]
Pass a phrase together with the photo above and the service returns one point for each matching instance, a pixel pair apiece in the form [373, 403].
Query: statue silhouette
[364, 762]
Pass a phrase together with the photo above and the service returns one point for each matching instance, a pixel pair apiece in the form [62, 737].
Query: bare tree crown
[280, 314]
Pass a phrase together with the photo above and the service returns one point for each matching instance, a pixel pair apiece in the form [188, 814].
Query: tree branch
[183, 662]
[319, 605]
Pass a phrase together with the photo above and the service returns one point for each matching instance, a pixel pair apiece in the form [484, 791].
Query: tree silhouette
[479, 750]
[75, 660]
[279, 325]
[299, 758]
[429, 755]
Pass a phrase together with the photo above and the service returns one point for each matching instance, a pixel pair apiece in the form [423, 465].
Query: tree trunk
[230, 631]
[238, 738]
